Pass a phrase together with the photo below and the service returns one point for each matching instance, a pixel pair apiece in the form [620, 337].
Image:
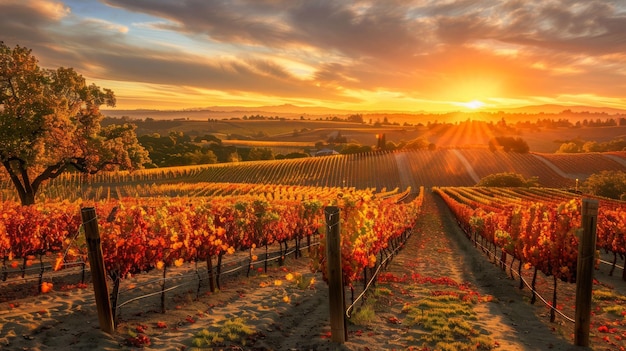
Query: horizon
[545, 108]
[363, 56]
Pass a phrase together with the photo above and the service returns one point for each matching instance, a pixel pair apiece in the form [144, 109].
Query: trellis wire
[375, 275]
[611, 264]
[47, 266]
[194, 272]
[485, 249]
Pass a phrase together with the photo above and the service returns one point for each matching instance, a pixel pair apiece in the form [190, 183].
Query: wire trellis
[374, 276]
[194, 277]
[548, 304]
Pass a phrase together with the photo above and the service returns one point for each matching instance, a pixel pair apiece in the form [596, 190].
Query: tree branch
[50, 172]
[79, 164]
[25, 178]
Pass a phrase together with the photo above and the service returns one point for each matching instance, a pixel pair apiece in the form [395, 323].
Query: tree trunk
[613, 266]
[532, 286]
[163, 290]
[27, 199]
[115, 296]
[25, 189]
[209, 267]
[219, 269]
[267, 257]
[553, 309]
[249, 262]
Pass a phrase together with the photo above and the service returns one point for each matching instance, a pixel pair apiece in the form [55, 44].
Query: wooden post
[584, 271]
[337, 305]
[98, 274]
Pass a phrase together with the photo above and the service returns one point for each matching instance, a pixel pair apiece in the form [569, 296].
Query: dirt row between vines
[287, 308]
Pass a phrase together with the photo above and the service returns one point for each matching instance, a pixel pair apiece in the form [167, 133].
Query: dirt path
[513, 322]
[437, 251]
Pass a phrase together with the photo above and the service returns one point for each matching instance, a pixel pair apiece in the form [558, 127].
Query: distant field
[308, 132]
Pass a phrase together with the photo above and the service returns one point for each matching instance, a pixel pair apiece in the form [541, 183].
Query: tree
[611, 184]
[50, 123]
[418, 143]
[256, 154]
[507, 144]
[506, 179]
[357, 118]
[568, 148]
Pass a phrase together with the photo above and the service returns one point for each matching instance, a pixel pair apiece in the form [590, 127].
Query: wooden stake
[339, 332]
[584, 271]
[98, 274]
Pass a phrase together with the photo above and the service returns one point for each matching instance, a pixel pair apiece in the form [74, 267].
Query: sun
[473, 105]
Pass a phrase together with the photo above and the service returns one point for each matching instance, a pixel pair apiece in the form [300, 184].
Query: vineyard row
[537, 227]
[138, 235]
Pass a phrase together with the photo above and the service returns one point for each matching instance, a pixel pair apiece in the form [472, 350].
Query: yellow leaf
[59, 263]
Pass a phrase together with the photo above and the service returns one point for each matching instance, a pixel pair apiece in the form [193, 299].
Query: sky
[403, 55]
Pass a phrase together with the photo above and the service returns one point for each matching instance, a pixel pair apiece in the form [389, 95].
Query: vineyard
[162, 220]
[142, 234]
[537, 228]
[374, 170]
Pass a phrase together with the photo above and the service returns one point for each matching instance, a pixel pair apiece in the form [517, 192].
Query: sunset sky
[431, 55]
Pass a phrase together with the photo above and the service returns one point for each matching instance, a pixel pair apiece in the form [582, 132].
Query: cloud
[245, 22]
[331, 50]
[25, 22]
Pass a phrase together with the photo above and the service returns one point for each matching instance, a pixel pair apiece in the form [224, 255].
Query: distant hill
[313, 112]
[551, 108]
[227, 112]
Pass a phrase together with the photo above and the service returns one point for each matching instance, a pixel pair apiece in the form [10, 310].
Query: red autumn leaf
[394, 320]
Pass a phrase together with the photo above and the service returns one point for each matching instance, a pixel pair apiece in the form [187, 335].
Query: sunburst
[474, 104]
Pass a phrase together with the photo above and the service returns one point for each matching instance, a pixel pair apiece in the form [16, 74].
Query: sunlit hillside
[376, 170]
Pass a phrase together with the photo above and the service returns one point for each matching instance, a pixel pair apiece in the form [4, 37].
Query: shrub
[507, 179]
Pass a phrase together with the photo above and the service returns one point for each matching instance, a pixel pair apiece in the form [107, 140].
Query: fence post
[337, 304]
[584, 271]
[98, 274]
